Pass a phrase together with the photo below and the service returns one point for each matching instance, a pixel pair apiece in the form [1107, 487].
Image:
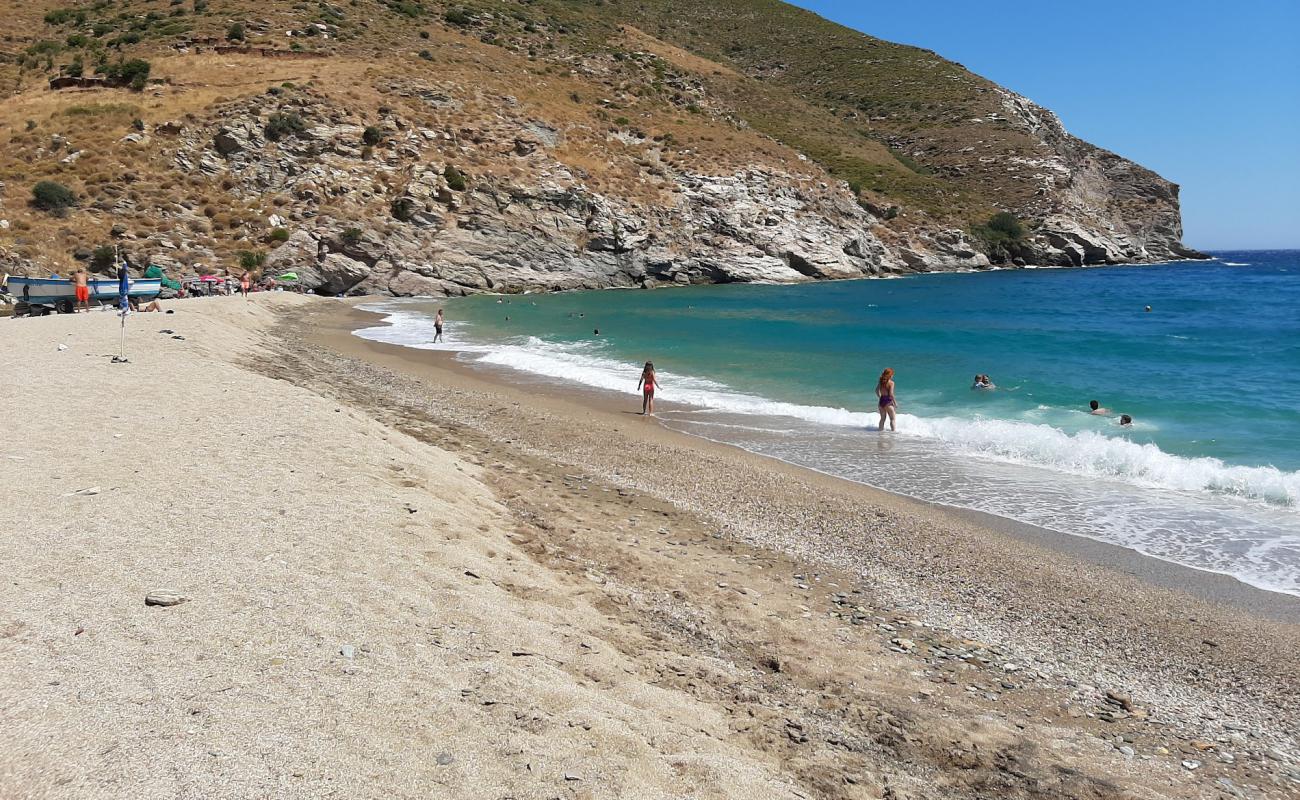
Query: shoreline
[1205, 584]
[401, 579]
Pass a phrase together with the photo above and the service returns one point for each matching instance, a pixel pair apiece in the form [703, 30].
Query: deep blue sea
[1208, 475]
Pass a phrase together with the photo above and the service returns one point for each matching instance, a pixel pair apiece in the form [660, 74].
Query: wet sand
[441, 366]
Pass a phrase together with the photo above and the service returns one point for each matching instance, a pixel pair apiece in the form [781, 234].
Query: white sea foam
[1235, 263]
[1088, 454]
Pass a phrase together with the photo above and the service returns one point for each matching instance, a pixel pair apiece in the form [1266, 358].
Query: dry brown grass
[479, 76]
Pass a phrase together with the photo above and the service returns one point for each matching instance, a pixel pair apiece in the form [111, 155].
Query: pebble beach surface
[313, 565]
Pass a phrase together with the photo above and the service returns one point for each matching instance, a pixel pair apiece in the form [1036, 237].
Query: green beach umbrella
[288, 276]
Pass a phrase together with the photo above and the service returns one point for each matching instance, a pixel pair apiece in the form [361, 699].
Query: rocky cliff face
[541, 227]
[1095, 207]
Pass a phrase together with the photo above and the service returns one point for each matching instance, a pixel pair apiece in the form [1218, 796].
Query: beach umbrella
[288, 276]
[123, 287]
[123, 303]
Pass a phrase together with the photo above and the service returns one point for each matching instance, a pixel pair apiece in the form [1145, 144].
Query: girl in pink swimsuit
[647, 386]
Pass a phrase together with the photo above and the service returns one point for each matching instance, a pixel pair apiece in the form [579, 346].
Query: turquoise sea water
[1209, 474]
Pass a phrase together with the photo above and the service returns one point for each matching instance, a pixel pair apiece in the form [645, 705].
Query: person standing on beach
[81, 286]
[245, 282]
[887, 403]
[437, 327]
[647, 386]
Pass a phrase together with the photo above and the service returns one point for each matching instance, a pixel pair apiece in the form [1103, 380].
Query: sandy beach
[405, 577]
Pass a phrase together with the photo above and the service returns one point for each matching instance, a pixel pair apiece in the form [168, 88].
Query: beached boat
[53, 291]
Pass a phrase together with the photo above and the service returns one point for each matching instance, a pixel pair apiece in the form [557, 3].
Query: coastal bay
[404, 576]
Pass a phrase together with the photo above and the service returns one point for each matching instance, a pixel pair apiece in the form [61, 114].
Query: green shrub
[372, 135]
[279, 235]
[426, 55]
[454, 178]
[406, 8]
[235, 33]
[424, 34]
[457, 16]
[77, 40]
[250, 260]
[44, 47]
[1002, 236]
[103, 259]
[403, 209]
[75, 69]
[281, 125]
[101, 28]
[52, 196]
[138, 124]
[1007, 223]
[352, 236]
[59, 16]
[133, 73]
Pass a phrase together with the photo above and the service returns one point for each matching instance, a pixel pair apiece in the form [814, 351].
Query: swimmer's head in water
[1125, 419]
[1094, 405]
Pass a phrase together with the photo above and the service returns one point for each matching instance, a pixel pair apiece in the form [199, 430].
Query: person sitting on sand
[647, 387]
[887, 403]
[437, 327]
[80, 282]
[152, 305]
[1097, 410]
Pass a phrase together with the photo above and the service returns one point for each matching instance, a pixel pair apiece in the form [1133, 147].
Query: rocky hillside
[421, 148]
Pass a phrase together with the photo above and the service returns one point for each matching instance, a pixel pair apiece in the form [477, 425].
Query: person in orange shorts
[81, 286]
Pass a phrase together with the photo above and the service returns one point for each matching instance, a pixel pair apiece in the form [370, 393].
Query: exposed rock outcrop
[544, 228]
[405, 221]
[1096, 207]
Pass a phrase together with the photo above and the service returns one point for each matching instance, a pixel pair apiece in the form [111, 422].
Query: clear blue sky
[1205, 93]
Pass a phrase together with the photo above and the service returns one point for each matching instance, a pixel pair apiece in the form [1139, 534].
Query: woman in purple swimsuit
[885, 391]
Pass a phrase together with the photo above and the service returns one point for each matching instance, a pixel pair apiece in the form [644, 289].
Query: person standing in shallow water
[885, 393]
[437, 327]
[647, 386]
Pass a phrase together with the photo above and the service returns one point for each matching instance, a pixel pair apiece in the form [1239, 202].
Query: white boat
[53, 291]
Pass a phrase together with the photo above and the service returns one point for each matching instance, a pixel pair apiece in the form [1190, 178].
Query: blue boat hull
[52, 291]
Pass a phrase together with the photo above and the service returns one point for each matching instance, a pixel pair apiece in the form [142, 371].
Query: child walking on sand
[647, 386]
[885, 391]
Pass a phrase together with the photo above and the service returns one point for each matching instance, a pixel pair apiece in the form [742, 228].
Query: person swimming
[1125, 420]
[983, 382]
[887, 403]
[1097, 410]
